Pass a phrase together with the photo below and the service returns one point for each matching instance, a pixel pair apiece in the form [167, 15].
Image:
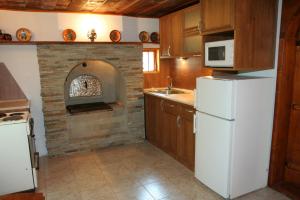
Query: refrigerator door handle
[194, 123]
[195, 102]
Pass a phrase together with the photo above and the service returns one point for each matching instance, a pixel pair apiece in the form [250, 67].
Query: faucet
[170, 84]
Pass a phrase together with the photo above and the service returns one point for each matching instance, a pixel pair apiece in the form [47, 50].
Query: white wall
[22, 60]
[49, 26]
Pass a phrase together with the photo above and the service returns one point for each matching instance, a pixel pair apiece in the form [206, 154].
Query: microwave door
[219, 53]
[216, 53]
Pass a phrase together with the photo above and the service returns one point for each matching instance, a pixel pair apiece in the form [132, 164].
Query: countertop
[186, 98]
[14, 105]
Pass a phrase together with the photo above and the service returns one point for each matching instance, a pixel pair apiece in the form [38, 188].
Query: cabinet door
[165, 35]
[170, 126]
[159, 116]
[150, 119]
[192, 40]
[176, 33]
[186, 138]
[255, 30]
[292, 166]
[217, 16]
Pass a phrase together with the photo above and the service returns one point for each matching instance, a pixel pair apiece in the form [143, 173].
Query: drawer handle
[172, 106]
[189, 111]
[178, 121]
[296, 107]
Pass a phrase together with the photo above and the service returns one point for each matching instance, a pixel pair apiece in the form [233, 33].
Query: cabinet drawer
[187, 112]
[170, 107]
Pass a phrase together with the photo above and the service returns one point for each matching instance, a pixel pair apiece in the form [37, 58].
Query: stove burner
[3, 115]
[12, 118]
[16, 114]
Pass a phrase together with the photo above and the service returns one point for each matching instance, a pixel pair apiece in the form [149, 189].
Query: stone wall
[125, 124]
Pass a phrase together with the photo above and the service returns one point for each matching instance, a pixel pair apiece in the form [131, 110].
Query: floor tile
[138, 172]
[138, 193]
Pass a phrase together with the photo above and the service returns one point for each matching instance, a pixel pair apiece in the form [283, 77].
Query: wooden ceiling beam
[49, 4]
[63, 4]
[137, 8]
[76, 5]
[152, 7]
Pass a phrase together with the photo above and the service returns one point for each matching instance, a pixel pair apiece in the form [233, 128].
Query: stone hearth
[67, 133]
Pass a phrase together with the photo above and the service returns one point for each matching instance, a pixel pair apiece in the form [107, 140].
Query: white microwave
[219, 53]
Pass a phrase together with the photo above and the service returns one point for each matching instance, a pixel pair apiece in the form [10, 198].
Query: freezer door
[215, 97]
[213, 144]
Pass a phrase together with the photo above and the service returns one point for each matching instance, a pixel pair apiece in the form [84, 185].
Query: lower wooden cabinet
[169, 126]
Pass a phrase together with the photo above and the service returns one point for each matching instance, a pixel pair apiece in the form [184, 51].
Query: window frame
[156, 60]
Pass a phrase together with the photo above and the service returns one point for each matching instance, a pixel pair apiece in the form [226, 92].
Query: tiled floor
[138, 171]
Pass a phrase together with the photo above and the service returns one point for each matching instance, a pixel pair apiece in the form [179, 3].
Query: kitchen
[108, 139]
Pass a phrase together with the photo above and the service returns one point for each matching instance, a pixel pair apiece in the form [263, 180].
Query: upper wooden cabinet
[179, 33]
[176, 33]
[171, 34]
[252, 25]
[165, 35]
[192, 40]
[216, 16]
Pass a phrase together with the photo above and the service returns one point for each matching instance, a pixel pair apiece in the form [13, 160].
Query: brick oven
[104, 82]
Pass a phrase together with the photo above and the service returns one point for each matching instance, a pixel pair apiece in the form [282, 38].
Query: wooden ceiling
[138, 8]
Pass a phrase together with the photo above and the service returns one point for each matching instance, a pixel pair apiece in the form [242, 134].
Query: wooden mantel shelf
[62, 42]
[69, 43]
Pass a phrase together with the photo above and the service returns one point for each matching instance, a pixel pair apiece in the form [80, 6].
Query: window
[150, 60]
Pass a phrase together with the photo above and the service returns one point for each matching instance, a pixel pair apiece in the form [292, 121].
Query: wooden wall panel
[185, 72]
[158, 79]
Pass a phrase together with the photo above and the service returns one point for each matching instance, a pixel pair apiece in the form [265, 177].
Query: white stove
[18, 156]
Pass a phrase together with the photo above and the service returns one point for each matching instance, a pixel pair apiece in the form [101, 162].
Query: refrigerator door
[215, 97]
[213, 150]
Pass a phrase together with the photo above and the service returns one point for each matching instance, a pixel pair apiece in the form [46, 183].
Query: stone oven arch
[94, 83]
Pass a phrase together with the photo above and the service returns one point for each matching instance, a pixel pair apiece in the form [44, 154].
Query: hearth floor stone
[138, 171]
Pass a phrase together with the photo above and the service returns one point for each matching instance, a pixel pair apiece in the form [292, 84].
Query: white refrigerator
[233, 127]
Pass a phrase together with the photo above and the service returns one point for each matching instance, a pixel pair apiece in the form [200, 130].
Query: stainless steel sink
[168, 91]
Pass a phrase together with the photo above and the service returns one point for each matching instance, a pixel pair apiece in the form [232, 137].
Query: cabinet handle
[162, 105]
[169, 50]
[170, 105]
[178, 121]
[200, 26]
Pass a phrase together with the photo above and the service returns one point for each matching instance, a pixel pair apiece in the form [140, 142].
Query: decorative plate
[23, 34]
[154, 37]
[144, 36]
[7, 37]
[69, 35]
[115, 36]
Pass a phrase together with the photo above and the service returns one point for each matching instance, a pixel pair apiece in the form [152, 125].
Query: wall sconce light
[183, 58]
[92, 35]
